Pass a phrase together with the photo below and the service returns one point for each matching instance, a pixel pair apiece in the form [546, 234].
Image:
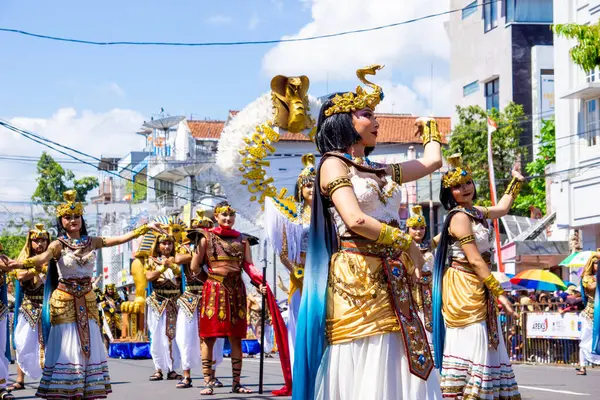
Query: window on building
[469, 10]
[490, 15]
[528, 11]
[593, 75]
[492, 96]
[163, 187]
[592, 127]
[470, 88]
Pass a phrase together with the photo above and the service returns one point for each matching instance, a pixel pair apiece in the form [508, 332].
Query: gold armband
[338, 183]
[29, 263]
[493, 285]
[486, 213]
[514, 187]
[393, 237]
[397, 173]
[429, 132]
[466, 239]
[103, 241]
[140, 231]
[162, 269]
[33, 271]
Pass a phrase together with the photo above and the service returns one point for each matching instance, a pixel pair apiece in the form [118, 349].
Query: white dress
[377, 366]
[27, 335]
[586, 356]
[68, 372]
[471, 367]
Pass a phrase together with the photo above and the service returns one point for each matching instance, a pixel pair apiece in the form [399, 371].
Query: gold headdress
[309, 173]
[417, 220]
[224, 209]
[175, 228]
[71, 206]
[290, 102]
[588, 269]
[350, 101]
[39, 233]
[166, 238]
[458, 173]
[201, 221]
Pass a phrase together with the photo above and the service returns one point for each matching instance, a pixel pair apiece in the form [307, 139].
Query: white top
[483, 240]
[382, 204]
[76, 263]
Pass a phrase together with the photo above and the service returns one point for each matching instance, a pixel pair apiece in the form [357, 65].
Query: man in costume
[110, 305]
[223, 312]
[27, 327]
[164, 277]
[589, 347]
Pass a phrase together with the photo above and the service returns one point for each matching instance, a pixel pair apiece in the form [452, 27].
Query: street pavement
[130, 382]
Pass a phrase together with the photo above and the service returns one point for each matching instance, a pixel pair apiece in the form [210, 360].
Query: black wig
[447, 199]
[63, 232]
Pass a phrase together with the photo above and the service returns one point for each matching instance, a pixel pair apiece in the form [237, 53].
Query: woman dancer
[469, 346]
[589, 347]
[29, 345]
[75, 365]
[359, 335]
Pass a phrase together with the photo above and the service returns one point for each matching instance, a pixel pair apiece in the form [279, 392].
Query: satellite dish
[164, 123]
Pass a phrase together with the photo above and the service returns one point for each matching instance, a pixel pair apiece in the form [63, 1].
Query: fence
[541, 334]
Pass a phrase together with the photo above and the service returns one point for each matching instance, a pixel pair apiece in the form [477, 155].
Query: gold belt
[193, 288]
[368, 248]
[217, 278]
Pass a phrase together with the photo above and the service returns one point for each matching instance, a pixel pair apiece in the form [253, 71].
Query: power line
[235, 43]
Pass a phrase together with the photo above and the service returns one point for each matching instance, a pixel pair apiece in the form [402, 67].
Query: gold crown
[110, 285]
[417, 220]
[309, 173]
[39, 233]
[166, 238]
[224, 209]
[71, 206]
[350, 101]
[201, 221]
[458, 173]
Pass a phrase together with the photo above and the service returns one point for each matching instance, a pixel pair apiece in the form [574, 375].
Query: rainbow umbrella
[538, 279]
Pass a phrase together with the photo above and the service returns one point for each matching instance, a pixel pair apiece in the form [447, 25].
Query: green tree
[586, 53]
[53, 180]
[469, 137]
[138, 190]
[537, 169]
[12, 245]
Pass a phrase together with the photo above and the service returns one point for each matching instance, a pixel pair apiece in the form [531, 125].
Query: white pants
[293, 310]
[585, 346]
[165, 354]
[28, 348]
[188, 340]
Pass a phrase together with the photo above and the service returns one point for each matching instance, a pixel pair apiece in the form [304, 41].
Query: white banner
[553, 325]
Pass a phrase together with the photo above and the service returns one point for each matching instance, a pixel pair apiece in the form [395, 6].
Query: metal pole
[262, 324]
[431, 220]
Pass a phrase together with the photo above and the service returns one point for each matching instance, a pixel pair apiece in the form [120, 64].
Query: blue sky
[95, 98]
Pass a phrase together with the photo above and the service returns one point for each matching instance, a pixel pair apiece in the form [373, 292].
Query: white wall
[542, 57]
[478, 56]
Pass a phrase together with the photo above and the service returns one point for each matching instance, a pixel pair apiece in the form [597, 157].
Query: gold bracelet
[337, 183]
[466, 239]
[103, 241]
[493, 285]
[397, 173]
[29, 263]
[514, 187]
[486, 213]
[385, 235]
[394, 237]
[162, 269]
[32, 271]
[141, 230]
[430, 132]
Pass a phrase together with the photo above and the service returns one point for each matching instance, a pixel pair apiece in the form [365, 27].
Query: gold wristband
[486, 213]
[32, 271]
[103, 241]
[394, 237]
[397, 173]
[430, 132]
[514, 187]
[493, 285]
[385, 235]
[162, 269]
[29, 263]
[140, 231]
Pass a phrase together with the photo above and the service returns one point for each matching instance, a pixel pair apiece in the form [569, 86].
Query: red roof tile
[393, 128]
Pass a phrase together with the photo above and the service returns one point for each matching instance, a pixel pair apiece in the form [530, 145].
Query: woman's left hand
[516, 171]
[156, 227]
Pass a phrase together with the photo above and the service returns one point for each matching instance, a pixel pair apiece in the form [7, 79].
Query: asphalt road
[130, 382]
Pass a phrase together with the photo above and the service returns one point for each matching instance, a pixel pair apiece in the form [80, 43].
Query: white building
[575, 178]
[501, 51]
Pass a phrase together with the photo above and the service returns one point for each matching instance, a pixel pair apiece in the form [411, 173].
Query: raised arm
[460, 228]
[336, 184]
[510, 195]
[432, 154]
[110, 241]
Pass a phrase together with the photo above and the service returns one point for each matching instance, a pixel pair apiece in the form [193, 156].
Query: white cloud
[115, 89]
[110, 134]
[401, 47]
[254, 21]
[219, 20]
[407, 51]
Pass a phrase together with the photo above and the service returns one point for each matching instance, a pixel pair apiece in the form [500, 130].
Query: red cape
[280, 329]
